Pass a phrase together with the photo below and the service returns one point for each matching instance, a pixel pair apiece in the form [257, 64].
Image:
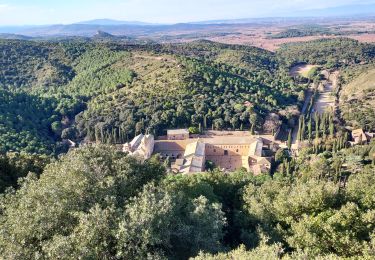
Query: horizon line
[197, 22]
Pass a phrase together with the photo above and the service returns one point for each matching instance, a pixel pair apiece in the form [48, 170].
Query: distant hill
[144, 29]
[12, 36]
[112, 22]
[102, 34]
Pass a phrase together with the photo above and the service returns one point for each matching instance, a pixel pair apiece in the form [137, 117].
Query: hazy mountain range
[137, 28]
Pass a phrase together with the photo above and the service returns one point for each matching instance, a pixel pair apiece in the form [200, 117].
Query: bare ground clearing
[301, 70]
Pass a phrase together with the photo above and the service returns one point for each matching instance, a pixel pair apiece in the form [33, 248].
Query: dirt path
[326, 101]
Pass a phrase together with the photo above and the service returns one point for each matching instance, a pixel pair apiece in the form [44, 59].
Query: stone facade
[361, 137]
[178, 134]
[142, 146]
[229, 153]
[189, 155]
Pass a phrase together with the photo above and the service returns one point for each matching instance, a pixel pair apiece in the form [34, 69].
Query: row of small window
[232, 146]
[225, 151]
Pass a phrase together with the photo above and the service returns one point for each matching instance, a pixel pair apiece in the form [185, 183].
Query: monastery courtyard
[228, 150]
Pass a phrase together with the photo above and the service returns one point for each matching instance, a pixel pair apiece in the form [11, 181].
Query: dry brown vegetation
[258, 35]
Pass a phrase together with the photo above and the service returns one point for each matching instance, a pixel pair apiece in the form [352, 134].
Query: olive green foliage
[18, 165]
[332, 53]
[263, 252]
[201, 83]
[302, 31]
[27, 63]
[98, 203]
[109, 91]
[26, 122]
[194, 130]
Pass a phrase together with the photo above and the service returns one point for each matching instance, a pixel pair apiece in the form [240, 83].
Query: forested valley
[108, 92]
[95, 202]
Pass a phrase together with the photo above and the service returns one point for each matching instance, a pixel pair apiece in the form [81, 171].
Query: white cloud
[4, 8]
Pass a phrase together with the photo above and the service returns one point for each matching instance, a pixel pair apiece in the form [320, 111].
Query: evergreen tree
[290, 139]
[309, 129]
[303, 129]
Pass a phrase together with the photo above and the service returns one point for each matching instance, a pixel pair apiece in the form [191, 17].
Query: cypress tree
[102, 134]
[290, 139]
[299, 129]
[346, 138]
[97, 137]
[323, 126]
[288, 168]
[316, 117]
[303, 128]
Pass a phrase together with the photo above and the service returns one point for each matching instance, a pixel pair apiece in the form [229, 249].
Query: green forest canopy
[109, 91]
[98, 203]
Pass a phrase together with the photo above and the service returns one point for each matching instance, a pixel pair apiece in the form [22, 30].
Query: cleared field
[302, 70]
[326, 100]
[258, 35]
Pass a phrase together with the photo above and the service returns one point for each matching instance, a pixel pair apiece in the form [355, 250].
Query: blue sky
[22, 12]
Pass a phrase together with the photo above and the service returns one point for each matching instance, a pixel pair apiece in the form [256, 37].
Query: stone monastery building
[189, 154]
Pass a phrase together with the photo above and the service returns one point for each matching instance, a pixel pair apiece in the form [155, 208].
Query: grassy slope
[357, 101]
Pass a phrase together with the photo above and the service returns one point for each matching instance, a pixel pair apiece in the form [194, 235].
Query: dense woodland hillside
[332, 53]
[356, 63]
[108, 91]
